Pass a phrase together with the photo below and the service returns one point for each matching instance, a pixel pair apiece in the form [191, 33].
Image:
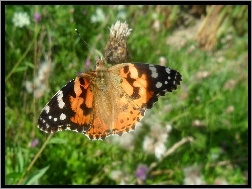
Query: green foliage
[210, 105]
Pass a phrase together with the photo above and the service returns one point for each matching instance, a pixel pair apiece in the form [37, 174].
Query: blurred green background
[197, 134]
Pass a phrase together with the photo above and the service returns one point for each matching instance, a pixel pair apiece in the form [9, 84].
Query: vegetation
[197, 134]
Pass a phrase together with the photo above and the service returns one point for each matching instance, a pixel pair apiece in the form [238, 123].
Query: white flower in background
[120, 7]
[121, 15]
[120, 177]
[38, 86]
[121, 12]
[193, 176]
[155, 143]
[152, 146]
[126, 140]
[99, 16]
[162, 61]
[21, 19]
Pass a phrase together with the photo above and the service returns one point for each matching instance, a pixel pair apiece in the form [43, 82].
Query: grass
[210, 106]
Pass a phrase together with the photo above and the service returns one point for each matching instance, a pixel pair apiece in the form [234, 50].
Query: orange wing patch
[81, 104]
[137, 86]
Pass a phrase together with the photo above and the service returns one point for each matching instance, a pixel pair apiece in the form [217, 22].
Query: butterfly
[107, 101]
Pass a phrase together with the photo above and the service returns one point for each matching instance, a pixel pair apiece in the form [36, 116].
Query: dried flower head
[116, 50]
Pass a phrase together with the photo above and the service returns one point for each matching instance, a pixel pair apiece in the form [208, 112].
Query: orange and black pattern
[108, 100]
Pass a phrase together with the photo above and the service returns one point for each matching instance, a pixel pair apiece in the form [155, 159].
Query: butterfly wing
[144, 83]
[70, 108]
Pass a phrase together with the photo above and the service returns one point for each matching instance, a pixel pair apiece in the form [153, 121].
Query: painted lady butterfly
[108, 100]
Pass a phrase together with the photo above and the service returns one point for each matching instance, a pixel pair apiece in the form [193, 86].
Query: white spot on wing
[62, 116]
[47, 109]
[168, 70]
[68, 127]
[60, 95]
[55, 119]
[158, 84]
[154, 73]
[61, 103]
[50, 117]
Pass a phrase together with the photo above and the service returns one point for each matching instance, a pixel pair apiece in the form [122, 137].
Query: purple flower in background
[34, 143]
[37, 17]
[141, 172]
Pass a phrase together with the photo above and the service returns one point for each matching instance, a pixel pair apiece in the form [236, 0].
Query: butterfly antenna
[98, 54]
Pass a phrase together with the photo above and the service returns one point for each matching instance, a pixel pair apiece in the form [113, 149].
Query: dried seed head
[116, 50]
